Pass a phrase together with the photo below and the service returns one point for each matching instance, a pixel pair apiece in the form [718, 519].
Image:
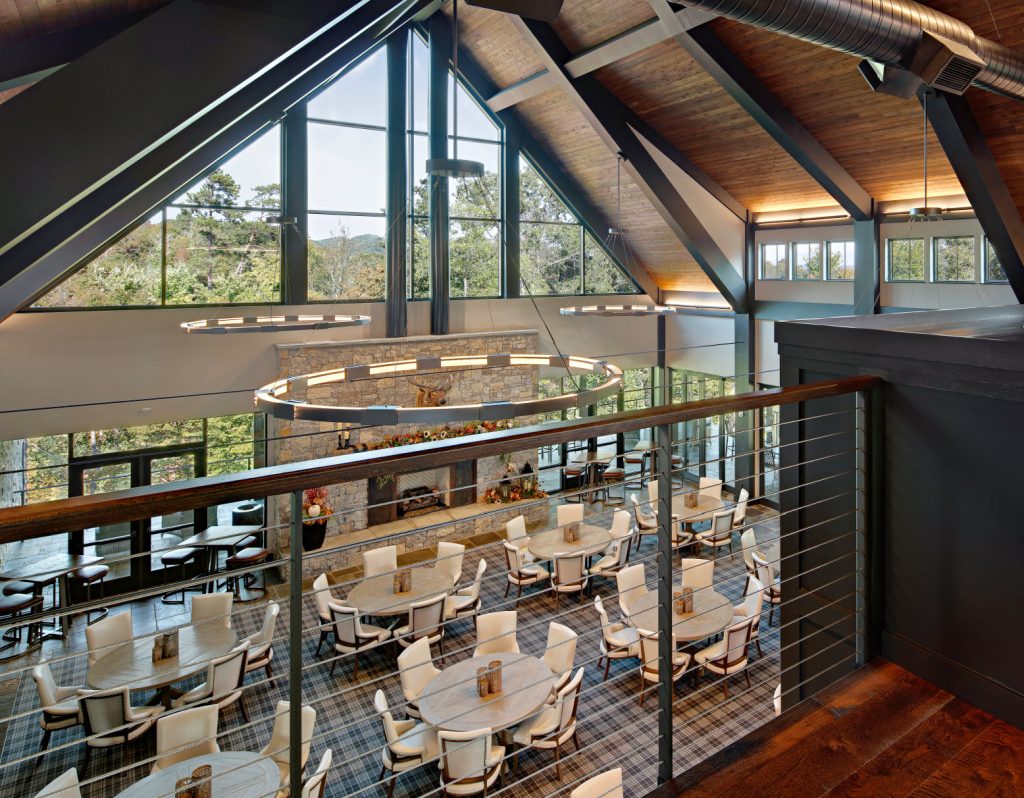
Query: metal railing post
[663, 438]
[295, 646]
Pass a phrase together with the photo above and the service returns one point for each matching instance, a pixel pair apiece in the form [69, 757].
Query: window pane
[993, 267]
[346, 257]
[906, 259]
[807, 261]
[602, 275]
[252, 178]
[473, 122]
[127, 439]
[475, 258]
[419, 258]
[46, 476]
[419, 65]
[218, 255]
[537, 202]
[840, 260]
[550, 258]
[479, 198]
[954, 259]
[346, 169]
[773, 262]
[229, 444]
[359, 96]
[125, 273]
[418, 185]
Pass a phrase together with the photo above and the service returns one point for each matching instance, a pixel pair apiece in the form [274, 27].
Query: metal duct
[887, 31]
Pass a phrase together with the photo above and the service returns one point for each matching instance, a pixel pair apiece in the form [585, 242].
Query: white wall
[766, 354]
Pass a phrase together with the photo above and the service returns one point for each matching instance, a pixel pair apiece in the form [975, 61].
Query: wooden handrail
[81, 512]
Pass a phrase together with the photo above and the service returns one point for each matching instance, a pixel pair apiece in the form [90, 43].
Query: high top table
[217, 538]
[52, 569]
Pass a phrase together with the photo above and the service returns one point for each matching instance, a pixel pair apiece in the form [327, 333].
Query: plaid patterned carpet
[614, 731]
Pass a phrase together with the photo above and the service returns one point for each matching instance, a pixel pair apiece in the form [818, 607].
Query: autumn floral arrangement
[440, 433]
[515, 487]
[315, 505]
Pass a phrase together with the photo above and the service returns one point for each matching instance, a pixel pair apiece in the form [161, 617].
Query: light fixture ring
[276, 398]
[273, 323]
[622, 310]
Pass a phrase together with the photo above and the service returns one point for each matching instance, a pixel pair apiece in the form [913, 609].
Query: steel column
[396, 211]
[666, 649]
[746, 380]
[867, 273]
[295, 645]
[294, 179]
[510, 185]
[440, 41]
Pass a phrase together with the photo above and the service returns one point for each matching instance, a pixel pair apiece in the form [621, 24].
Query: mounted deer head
[432, 395]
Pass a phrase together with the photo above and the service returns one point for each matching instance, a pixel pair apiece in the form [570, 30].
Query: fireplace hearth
[421, 492]
[421, 498]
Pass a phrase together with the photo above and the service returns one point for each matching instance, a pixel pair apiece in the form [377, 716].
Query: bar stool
[613, 475]
[177, 558]
[12, 607]
[574, 472]
[635, 457]
[238, 562]
[88, 576]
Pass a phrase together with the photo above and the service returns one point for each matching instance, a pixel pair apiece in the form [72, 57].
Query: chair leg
[757, 642]
[241, 706]
[323, 637]
[558, 761]
[576, 740]
[46, 739]
[725, 686]
[643, 690]
[771, 612]
[607, 667]
[391, 786]
[270, 675]
[508, 584]
[334, 664]
[746, 672]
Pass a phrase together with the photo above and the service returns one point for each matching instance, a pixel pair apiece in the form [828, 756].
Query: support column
[294, 223]
[510, 213]
[396, 212]
[295, 643]
[437, 126]
[744, 433]
[867, 284]
[666, 649]
[662, 389]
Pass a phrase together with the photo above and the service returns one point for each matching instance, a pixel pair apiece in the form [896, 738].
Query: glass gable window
[840, 260]
[993, 268]
[551, 240]
[954, 259]
[774, 265]
[907, 260]
[807, 261]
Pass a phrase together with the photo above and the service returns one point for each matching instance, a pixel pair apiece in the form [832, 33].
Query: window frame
[987, 254]
[761, 261]
[828, 261]
[793, 261]
[925, 267]
[935, 260]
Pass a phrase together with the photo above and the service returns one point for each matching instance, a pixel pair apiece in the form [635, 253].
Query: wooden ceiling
[27, 19]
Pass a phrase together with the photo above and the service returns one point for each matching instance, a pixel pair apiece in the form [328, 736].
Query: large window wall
[219, 242]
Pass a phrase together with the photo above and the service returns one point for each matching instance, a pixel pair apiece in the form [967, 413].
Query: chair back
[513, 559]
[698, 573]
[607, 785]
[322, 596]
[345, 620]
[602, 615]
[46, 685]
[632, 585]
[380, 561]
[752, 601]
[185, 734]
[748, 542]
[380, 705]
[64, 786]
[643, 520]
[620, 551]
[560, 651]
[449, 559]
[265, 636]
[741, 506]
[316, 785]
[227, 672]
[474, 589]
[426, 618]
[465, 756]
[765, 572]
[568, 702]
[105, 712]
[710, 487]
[621, 523]
[104, 635]
[212, 608]
[652, 494]
[569, 570]
[648, 651]
[569, 513]
[279, 746]
[737, 636]
[496, 633]
[416, 668]
[721, 526]
[516, 528]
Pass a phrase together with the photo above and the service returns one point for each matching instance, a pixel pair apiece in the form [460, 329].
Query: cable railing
[602, 666]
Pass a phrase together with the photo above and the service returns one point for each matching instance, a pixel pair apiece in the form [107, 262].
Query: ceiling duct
[941, 50]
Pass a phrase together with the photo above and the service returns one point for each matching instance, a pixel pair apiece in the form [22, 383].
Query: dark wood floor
[879, 733]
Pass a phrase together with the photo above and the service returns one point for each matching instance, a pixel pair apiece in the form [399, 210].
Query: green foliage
[807, 261]
[954, 259]
[346, 267]
[994, 272]
[906, 259]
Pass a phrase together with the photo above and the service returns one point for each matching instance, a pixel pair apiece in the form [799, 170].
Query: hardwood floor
[879, 733]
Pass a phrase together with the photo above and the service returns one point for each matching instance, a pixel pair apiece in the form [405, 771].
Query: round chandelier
[622, 310]
[280, 398]
[249, 324]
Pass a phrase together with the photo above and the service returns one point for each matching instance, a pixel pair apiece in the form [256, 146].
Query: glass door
[163, 532]
[112, 541]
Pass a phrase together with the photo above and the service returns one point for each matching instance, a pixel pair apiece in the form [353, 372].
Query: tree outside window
[954, 259]
[994, 272]
[840, 260]
[774, 265]
[807, 261]
[907, 260]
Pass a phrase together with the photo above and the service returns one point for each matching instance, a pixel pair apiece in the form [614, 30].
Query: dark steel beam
[29, 60]
[711, 53]
[978, 173]
[396, 212]
[510, 187]
[294, 198]
[440, 44]
[609, 119]
[65, 242]
[567, 189]
[867, 272]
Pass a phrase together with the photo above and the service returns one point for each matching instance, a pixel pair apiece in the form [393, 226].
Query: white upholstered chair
[729, 655]
[618, 641]
[185, 734]
[607, 785]
[449, 559]
[223, 685]
[353, 637]
[560, 649]
[554, 726]
[569, 514]
[466, 600]
[316, 785]
[470, 764]
[496, 633]
[323, 597]
[741, 508]
[772, 588]
[751, 608]
[632, 586]
[698, 573]
[720, 533]
[110, 720]
[646, 523]
[279, 746]
[649, 662]
[108, 634]
[748, 543]
[380, 561]
[213, 608]
[261, 645]
[520, 573]
[426, 621]
[415, 670]
[570, 575]
[710, 487]
[59, 704]
[64, 786]
[405, 744]
[515, 533]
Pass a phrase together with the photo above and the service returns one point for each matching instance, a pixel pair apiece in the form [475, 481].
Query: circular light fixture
[622, 310]
[278, 398]
[250, 324]
[926, 213]
[454, 167]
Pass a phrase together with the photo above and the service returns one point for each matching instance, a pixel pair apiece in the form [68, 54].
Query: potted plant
[316, 510]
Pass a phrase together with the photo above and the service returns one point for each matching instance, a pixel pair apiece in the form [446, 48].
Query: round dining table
[377, 596]
[236, 774]
[450, 700]
[712, 613]
[132, 664]
[551, 543]
[706, 507]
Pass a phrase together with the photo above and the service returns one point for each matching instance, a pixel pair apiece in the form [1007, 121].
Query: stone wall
[294, 442]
